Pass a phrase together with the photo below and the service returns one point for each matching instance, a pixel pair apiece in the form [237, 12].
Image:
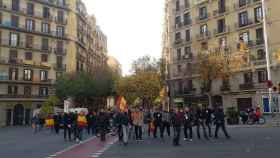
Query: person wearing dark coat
[157, 122]
[67, 125]
[177, 123]
[90, 121]
[220, 122]
[208, 114]
[188, 119]
[103, 122]
[200, 119]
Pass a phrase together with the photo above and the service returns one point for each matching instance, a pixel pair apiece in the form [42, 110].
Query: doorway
[18, 115]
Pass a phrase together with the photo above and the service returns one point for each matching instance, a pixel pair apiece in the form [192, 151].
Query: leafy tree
[49, 105]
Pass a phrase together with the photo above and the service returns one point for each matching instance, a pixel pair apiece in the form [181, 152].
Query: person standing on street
[166, 121]
[188, 118]
[209, 114]
[138, 119]
[57, 120]
[81, 124]
[157, 122]
[179, 117]
[200, 119]
[89, 118]
[148, 121]
[102, 122]
[67, 125]
[220, 122]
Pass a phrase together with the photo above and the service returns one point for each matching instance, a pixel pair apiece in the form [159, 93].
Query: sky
[133, 27]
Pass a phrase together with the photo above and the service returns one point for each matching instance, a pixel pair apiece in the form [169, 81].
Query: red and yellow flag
[121, 103]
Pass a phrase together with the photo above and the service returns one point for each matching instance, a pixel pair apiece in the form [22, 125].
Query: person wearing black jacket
[209, 113]
[67, 125]
[200, 119]
[57, 120]
[188, 118]
[90, 127]
[220, 122]
[103, 122]
[157, 122]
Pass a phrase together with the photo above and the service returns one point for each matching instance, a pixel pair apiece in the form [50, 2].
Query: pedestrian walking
[179, 117]
[138, 121]
[220, 122]
[103, 122]
[148, 121]
[166, 122]
[157, 122]
[188, 121]
[67, 126]
[208, 112]
[57, 120]
[200, 119]
[81, 124]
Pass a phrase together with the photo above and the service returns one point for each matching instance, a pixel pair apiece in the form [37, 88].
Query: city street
[246, 142]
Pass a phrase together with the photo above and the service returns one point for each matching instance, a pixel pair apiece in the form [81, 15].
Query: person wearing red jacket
[177, 123]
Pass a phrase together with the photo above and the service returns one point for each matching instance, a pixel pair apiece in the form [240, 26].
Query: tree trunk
[209, 99]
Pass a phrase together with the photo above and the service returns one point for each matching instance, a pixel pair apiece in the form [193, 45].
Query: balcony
[245, 25]
[33, 82]
[62, 21]
[58, 67]
[53, 3]
[221, 11]
[222, 31]
[247, 86]
[259, 62]
[203, 36]
[189, 91]
[60, 51]
[225, 87]
[21, 97]
[178, 41]
[187, 22]
[178, 25]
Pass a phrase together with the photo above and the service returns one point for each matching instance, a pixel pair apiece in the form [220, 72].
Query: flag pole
[267, 54]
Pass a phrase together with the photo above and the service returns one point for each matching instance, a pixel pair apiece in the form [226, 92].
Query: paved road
[246, 143]
[19, 142]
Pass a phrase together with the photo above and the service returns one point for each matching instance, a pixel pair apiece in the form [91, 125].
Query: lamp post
[267, 54]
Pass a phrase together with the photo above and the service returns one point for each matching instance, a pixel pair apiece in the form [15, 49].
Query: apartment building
[203, 26]
[39, 41]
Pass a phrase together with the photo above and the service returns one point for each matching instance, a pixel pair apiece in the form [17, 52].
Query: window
[61, 3]
[203, 29]
[27, 90]
[27, 74]
[221, 25]
[0, 17]
[262, 76]
[59, 61]
[30, 25]
[180, 87]
[60, 31]
[44, 57]
[28, 55]
[43, 91]
[245, 37]
[179, 54]
[15, 21]
[222, 6]
[30, 9]
[13, 56]
[187, 19]
[12, 90]
[178, 20]
[187, 3]
[177, 5]
[178, 36]
[248, 77]
[223, 42]
[188, 50]
[14, 39]
[188, 35]
[259, 36]
[242, 3]
[45, 44]
[29, 41]
[45, 28]
[179, 68]
[60, 16]
[13, 73]
[15, 5]
[43, 75]
[258, 14]
[202, 13]
[58, 75]
[243, 19]
[260, 54]
[46, 12]
[59, 46]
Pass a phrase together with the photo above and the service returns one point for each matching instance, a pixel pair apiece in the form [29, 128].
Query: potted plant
[232, 116]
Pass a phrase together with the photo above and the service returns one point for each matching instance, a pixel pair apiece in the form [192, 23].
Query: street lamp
[267, 52]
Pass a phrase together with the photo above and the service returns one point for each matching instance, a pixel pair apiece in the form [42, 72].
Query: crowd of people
[132, 123]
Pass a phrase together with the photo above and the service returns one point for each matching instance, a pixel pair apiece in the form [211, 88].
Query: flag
[121, 104]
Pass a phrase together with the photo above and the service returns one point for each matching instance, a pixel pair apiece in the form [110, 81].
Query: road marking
[71, 147]
[101, 151]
